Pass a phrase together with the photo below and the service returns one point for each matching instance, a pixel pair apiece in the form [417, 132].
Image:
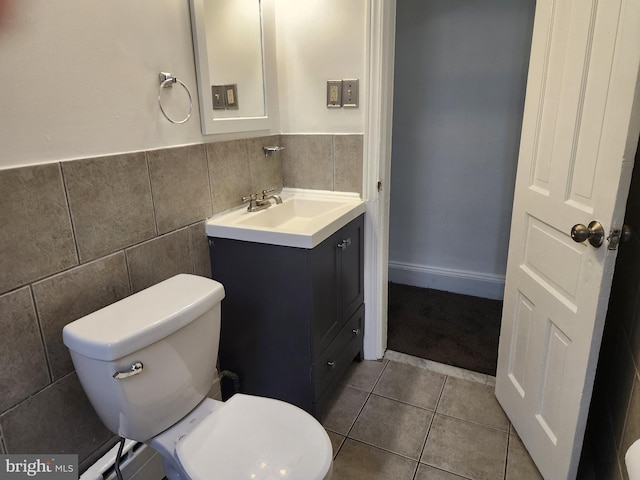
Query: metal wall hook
[166, 81]
[271, 149]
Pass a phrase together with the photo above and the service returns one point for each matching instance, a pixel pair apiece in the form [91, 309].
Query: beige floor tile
[519, 463]
[425, 472]
[448, 370]
[336, 442]
[466, 449]
[357, 461]
[410, 384]
[473, 402]
[365, 374]
[343, 409]
[470, 437]
[393, 426]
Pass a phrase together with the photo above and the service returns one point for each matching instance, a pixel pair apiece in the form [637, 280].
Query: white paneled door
[580, 130]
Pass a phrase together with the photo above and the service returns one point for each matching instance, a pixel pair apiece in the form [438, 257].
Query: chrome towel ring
[166, 81]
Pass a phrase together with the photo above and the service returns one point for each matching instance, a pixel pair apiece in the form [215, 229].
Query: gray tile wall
[79, 235]
[323, 162]
[36, 232]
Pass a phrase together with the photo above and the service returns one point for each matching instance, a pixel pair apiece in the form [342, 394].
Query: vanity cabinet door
[337, 282]
[351, 281]
[265, 332]
[325, 262]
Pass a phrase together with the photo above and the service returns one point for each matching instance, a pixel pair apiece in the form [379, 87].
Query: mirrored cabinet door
[231, 44]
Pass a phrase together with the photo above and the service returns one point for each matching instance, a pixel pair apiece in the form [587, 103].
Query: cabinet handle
[332, 364]
[356, 331]
[344, 243]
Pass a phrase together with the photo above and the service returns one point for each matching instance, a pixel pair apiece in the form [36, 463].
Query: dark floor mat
[450, 328]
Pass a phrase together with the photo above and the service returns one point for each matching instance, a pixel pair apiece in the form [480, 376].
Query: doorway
[460, 78]
[621, 99]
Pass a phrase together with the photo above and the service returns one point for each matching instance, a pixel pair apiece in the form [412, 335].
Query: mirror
[229, 45]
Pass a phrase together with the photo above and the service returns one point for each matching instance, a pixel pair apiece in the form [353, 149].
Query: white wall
[319, 40]
[80, 78]
[459, 89]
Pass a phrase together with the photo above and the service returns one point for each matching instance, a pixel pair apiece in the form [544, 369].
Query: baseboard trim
[450, 280]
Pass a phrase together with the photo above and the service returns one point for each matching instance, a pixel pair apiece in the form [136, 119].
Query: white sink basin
[304, 219]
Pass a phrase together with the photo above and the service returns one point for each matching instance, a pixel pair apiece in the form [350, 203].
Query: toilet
[147, 364]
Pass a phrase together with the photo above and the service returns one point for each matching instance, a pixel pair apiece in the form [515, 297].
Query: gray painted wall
[460, 78]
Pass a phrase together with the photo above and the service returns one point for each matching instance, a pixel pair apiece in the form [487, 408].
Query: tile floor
[407, 418]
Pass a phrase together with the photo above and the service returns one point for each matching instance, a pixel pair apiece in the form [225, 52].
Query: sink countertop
[303, 220]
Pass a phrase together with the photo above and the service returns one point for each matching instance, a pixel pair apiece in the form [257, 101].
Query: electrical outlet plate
[217, 97]
[350, 93]
[334, 93]
[231, 96]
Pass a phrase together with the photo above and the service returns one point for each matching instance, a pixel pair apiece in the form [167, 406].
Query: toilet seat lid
[256, 438]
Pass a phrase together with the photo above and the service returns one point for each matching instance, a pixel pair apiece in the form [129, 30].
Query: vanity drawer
[338, 355]
[344, 361]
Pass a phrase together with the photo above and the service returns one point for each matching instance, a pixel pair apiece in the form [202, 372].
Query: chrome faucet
[256, 204]
[269, 194]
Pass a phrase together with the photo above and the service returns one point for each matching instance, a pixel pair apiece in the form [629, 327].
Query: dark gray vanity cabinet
[292, 318]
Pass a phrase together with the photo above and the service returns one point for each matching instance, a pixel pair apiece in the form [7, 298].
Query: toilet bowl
[272, 441]
[632, 461]
[147, 363]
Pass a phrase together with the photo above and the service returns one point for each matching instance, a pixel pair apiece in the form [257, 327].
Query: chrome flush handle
[134, 369]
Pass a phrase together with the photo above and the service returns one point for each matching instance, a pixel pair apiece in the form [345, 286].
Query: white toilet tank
[149, 359]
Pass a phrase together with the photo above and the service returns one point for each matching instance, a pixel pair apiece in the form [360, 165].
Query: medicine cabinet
[232, 42]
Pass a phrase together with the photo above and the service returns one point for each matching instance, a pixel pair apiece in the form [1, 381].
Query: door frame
[380, 50]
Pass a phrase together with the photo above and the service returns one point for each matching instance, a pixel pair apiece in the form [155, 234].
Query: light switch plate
[217, 97]
[350, 93]
[334, 93]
